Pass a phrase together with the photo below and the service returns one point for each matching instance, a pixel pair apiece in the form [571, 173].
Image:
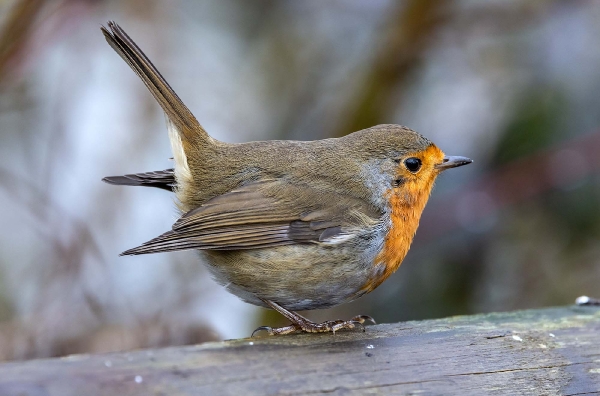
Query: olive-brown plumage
[289, 225]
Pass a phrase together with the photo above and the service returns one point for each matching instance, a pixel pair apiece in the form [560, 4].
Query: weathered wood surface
[536, 352]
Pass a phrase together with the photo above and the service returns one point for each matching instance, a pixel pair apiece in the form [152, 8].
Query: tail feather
[188, 127]
[160, 179]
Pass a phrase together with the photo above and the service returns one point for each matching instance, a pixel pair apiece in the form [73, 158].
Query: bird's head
[397, 161]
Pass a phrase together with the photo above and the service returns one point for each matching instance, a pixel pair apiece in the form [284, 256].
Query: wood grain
[554, 351]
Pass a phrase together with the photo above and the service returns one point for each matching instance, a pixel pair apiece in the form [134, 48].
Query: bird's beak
[452, 161]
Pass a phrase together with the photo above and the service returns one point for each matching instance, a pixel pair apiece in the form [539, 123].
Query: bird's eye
[413, 164]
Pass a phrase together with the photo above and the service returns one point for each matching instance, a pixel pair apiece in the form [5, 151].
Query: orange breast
[404, 222]
[406, 204]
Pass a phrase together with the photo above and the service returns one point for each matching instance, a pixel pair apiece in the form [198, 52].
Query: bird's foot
[330, 326]
[302, 324]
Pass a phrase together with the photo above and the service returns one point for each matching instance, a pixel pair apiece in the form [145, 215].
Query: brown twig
[16, 31]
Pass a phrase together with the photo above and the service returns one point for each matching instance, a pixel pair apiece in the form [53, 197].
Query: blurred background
[513, 84]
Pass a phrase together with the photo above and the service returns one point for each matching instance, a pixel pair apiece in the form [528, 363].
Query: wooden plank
[536, 352]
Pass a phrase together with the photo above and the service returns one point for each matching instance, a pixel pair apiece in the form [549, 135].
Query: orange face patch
[406, 203]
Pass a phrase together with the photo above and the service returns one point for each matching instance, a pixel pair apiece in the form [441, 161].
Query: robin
[289, 225]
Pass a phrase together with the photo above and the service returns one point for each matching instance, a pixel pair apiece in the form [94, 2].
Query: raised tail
[160, 179]
[182, 118]
[185, 132]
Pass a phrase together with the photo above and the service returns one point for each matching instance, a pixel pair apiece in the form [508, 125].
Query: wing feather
[252, 217]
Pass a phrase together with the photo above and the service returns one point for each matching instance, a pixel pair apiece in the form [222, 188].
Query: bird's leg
[302, 324]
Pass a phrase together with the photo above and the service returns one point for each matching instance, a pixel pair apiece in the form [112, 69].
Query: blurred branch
[409, 34]
[43, 210]
[70, 239]
[16, 31]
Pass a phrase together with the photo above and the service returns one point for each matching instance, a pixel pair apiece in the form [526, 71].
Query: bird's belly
[297, 277]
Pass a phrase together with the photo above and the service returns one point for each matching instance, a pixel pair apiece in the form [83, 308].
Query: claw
[277, 330]
[363, 318]
[263, 328]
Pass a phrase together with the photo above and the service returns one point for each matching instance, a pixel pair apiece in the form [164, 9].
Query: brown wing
[252, 217]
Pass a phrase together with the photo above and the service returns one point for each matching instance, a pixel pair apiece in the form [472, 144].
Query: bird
[289, 225]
